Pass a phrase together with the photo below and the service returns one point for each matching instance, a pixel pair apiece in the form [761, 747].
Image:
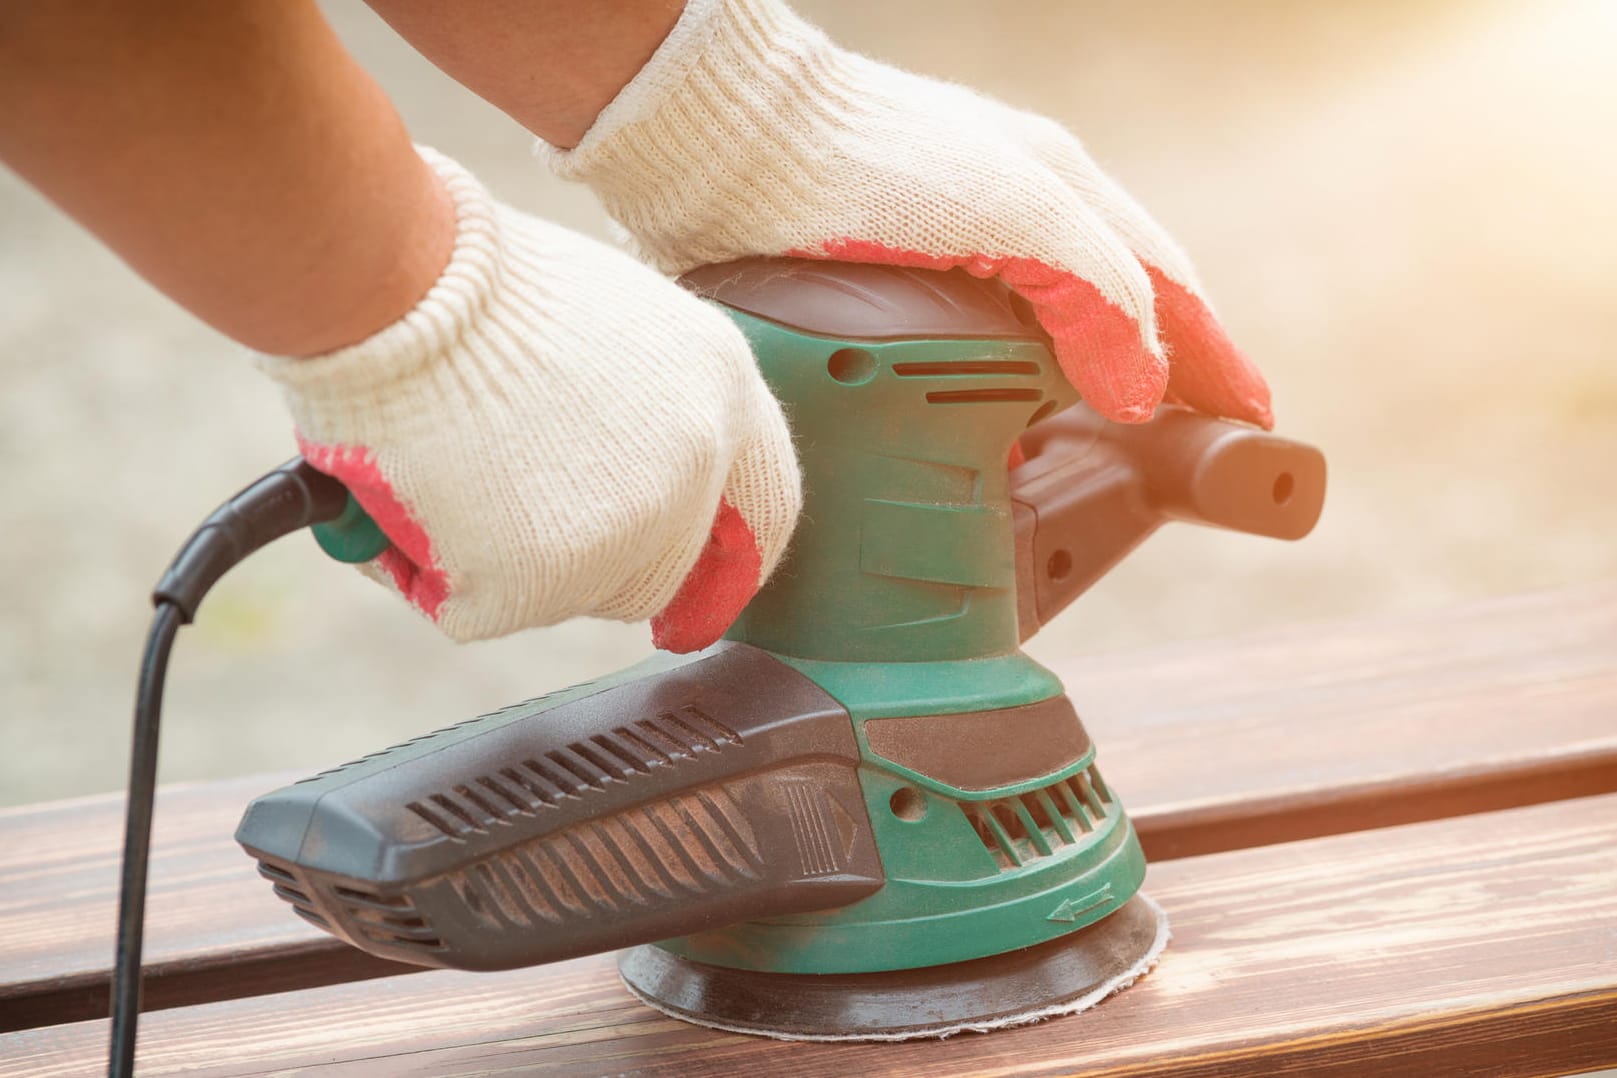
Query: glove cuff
[717, 134]
[644, 95]
[456, 302]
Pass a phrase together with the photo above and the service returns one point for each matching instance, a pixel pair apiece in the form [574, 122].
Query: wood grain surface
[212, 926]
[1314, 731]
[1483, 944]
[1323, 729]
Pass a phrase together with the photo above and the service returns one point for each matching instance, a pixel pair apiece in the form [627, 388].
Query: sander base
[1061, 976]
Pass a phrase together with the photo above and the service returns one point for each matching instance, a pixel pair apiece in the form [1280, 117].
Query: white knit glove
[749, 133]
[555, 430]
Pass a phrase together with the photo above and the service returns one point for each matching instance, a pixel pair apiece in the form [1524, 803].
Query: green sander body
[866, 812]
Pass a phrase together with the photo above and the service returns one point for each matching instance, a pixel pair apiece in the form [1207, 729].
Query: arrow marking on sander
[1070, 908]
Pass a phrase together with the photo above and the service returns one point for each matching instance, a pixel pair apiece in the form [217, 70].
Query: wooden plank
[1212, 745]
[1486, 943]
[213, 928]
[1318, 730]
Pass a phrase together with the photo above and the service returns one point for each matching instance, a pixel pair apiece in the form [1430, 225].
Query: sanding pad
[1062, 976]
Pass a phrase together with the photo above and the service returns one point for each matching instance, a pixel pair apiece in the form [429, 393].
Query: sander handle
[1090, 491]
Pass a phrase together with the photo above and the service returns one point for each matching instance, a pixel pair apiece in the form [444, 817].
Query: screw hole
[1283, 488]
[908, 804]
[851, 366]
[1059, 565]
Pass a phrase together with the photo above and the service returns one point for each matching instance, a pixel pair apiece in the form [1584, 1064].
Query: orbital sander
[865, 813]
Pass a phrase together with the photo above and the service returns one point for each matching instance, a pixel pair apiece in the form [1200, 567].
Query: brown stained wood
[1484, 944]
[1213, 745]
[1317, 730]
[225, 973]
[213, 928]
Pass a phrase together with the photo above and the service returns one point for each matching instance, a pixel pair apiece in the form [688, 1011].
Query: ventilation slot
[694, 730]
[616, 751]
[512, 794]
[466, 816]
[970, 366]
[1042, 822]
[983, 396]
[586, 776]
[292, 895]
[388, 919]
[649, 858]
[434, 820]
[274, 872]
[525, 706]
[605, 763]
[489, 801]
[312, 917]
[617, 756]
[371, 900]
[289, 889]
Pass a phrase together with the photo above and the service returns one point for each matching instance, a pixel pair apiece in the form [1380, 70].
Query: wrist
[722, 118]
[437, 313]
[550, 66]
[386, 274]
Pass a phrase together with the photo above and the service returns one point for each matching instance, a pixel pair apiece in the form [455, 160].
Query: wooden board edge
[1578, 1031]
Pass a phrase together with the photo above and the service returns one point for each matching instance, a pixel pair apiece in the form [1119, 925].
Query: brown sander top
[865, 302]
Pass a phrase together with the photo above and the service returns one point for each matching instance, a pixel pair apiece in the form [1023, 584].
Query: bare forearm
[233, 154]
[551, 65]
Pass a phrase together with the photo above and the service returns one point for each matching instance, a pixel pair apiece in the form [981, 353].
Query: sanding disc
[1061, 976]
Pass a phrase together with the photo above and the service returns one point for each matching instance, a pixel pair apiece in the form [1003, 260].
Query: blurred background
[1403, 211]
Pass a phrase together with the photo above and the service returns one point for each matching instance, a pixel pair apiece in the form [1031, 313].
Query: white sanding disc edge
[1109, 987]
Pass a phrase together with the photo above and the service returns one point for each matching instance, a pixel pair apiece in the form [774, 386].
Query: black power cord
[292, 497]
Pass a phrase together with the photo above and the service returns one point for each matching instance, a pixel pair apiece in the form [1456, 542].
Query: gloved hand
[749, 133]
[555, 430]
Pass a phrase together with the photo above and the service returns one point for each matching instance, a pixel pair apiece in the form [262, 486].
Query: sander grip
[1090, 491]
